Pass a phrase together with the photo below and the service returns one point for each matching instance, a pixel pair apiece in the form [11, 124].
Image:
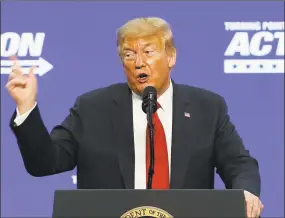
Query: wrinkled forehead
[135, 43]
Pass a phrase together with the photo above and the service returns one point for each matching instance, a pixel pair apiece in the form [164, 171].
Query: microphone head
[149, 98]
[149, 90]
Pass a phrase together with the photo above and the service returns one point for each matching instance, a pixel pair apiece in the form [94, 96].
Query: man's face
[146, 63]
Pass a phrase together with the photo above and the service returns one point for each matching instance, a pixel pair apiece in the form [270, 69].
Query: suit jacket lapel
[122, 120]
[183, 134]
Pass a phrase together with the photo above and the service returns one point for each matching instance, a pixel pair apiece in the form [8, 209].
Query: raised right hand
[22, 87]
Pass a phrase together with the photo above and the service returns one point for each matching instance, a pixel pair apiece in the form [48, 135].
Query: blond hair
[146, 26]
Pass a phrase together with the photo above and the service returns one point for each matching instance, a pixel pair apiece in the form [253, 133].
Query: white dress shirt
[140, 124]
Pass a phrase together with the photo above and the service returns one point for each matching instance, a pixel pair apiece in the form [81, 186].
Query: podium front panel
[149, 203]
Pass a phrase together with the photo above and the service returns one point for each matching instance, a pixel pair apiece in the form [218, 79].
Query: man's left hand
[253, 205]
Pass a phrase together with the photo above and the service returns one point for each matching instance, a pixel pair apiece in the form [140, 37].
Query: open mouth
[143, 77]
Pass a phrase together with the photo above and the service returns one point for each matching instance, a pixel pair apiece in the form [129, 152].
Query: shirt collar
[166, 98]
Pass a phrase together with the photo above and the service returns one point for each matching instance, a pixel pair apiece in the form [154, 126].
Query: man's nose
[139, 62]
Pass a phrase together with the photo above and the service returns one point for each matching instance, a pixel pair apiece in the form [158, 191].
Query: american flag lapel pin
[186, 114]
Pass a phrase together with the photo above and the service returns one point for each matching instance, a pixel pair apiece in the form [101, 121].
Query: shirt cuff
[21, 118]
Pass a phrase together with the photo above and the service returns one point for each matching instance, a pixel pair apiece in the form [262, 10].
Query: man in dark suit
[105, 134]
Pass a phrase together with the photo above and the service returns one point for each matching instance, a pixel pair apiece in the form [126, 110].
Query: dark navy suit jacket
[97, 138]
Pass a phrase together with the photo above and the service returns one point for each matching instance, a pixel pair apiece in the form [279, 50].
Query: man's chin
[146, 84]
[139, 88]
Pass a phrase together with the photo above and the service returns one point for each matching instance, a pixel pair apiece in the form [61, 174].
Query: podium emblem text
[146, 212]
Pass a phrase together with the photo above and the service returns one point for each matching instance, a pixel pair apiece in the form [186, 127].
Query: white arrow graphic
[41, 66]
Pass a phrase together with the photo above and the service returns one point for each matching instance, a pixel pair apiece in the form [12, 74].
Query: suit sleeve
[47, 153]
[21, 118]
[236, 167]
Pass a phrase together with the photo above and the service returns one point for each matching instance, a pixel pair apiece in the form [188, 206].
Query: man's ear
[172, 59]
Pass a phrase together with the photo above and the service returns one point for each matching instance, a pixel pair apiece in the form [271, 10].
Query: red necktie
[160, 178]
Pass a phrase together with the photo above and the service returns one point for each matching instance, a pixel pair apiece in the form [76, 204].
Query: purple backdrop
[79, 54]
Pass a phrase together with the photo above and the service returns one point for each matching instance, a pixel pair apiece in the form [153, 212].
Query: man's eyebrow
[127, 49]
[148, 44]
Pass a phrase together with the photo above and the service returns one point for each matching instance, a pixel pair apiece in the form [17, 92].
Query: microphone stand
[151, 139]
